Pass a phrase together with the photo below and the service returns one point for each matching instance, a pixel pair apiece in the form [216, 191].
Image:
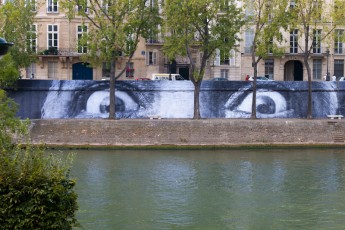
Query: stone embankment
[166, 133]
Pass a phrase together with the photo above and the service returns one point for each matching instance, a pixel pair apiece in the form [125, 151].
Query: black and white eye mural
[174, 99]
[90, 99]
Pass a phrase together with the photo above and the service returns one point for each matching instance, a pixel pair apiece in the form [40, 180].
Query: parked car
[259, 78]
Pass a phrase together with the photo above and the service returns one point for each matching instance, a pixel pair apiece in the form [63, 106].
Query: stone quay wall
[166, 133]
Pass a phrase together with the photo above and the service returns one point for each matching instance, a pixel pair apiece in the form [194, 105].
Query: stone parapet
[85, 133]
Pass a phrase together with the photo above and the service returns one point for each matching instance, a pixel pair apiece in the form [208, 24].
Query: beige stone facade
[54, 29]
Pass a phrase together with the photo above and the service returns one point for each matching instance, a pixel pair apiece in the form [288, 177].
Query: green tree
[115, 29]
[315, 21]
[35, 189]
[16, 20]
[8, 71]
[200, 26]
[266, 21]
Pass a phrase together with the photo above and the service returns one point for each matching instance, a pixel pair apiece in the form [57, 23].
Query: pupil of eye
[267, 106]
[119, 105]
[104, 105]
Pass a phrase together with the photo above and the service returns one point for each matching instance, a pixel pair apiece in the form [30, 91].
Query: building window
[248, 39]
[82, 44]
[52, 6]
[31, 45]
[339, 68]
[317, 69]
[338, 44]
[105, 5]
[317, 42]
[224, 57]
[31, 4]
[106, 70]
[250, 10]
[52, 70]
[224, 73]
[269, 68]
[129, 69]
[292, 4]
[31, 71]
[150, 3]
[83, 7]
[53, 36]
[294, 41]
[151, 58]
[232, 57]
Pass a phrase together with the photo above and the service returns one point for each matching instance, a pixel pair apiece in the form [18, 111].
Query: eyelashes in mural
[90, 99]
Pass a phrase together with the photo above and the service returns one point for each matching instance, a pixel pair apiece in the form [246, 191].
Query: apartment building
[59, 55]
[327, 55]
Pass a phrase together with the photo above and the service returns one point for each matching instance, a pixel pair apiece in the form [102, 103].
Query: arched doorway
[81, 71]
[293, 71]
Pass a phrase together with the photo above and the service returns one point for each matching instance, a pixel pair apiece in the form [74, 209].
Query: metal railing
[59, 51]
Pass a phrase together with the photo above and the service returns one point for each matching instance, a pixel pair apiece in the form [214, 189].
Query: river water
[211, 189]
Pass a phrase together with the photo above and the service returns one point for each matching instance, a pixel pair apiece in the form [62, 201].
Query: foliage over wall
[36, 191]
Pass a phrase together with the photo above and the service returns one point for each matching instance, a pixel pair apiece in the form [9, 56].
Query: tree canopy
[315, 22]
[197, 28]
[16, 20]
[266, 22]
[114, 29]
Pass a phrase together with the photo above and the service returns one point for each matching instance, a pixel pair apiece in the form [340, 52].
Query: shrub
[36, 191]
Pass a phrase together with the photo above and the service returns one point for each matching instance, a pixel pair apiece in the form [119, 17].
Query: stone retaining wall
[186, 132]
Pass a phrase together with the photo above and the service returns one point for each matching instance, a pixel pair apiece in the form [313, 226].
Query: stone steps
[338, 135]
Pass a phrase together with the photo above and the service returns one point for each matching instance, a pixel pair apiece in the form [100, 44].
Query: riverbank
[187, 133]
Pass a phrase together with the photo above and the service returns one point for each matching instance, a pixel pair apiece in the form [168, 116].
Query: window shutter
[217, 58]
[147, 58]
[154, 58]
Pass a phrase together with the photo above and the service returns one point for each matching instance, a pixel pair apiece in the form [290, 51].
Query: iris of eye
[104, 107]
[119, 106]
[266, 105]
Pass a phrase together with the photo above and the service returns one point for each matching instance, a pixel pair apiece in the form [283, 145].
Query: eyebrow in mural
[283, 100]
[90, 99]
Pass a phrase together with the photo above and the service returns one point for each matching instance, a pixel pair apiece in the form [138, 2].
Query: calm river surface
[211, 189]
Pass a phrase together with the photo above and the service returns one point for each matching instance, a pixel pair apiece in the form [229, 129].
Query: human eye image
[90, 99]
[268, 105]
[175, 99]
[273, 99]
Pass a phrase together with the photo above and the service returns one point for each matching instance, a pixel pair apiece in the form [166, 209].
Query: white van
[167, 76]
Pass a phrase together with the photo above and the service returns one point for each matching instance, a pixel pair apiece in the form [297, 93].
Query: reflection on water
[222, 189]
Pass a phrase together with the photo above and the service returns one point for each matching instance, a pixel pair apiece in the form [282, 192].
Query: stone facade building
[59, 56]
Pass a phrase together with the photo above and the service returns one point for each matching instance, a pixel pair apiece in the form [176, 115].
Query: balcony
[54, 51]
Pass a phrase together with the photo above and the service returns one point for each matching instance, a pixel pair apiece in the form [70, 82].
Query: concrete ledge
[167, 133]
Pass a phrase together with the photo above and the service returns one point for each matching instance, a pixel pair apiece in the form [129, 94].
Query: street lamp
[4, 46]
[328, 77]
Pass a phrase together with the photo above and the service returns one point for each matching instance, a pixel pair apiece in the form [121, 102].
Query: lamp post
[4, 46]
[328, 77]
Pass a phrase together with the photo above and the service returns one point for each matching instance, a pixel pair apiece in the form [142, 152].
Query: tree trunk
[310, 98]
[306, 63]
[255, 65]
[112, 91]
[196, 100]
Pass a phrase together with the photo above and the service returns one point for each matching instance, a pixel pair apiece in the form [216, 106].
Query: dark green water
[222, 189]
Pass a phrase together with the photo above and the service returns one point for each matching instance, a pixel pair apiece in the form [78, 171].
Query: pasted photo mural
[44, 99]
